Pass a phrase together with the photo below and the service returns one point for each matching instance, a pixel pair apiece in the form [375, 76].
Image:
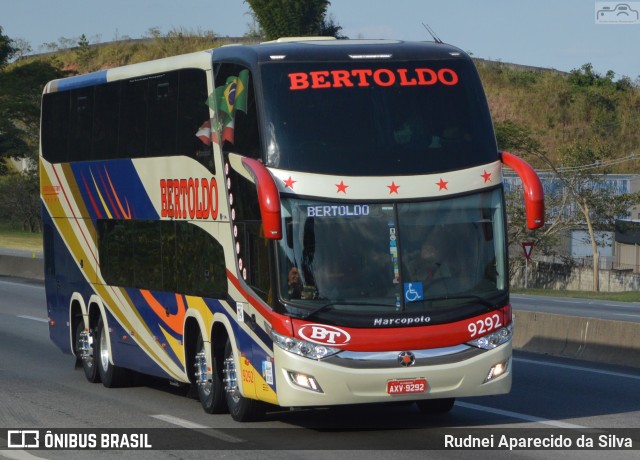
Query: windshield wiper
[344, 302]
[477, 298]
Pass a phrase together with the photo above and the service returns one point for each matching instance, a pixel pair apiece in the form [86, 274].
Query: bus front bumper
[305, 382]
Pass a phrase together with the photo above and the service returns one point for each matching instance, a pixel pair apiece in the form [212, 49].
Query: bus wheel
[112, 376]
[208, 381]
[435, 406]
[86, 352]
[241, 409]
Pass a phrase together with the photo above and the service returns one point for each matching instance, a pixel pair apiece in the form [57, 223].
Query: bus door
[237, 120]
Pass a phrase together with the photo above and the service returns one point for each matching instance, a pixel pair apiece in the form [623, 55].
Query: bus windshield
[376, 118]
[378, 257]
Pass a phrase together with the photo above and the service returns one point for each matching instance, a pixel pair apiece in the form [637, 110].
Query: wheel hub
[230, 379]
[85, 346]
[202, 378]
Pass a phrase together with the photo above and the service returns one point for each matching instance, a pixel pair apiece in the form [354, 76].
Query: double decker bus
[299, 223]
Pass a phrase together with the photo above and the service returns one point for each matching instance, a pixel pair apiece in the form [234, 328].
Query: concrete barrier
[22, 264]
[589, 339]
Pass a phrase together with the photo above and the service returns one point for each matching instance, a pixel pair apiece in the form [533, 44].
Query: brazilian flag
[226, 100]
[233, 95]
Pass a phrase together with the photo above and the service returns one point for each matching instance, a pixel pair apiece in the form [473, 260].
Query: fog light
[496, 371]
[305, 381]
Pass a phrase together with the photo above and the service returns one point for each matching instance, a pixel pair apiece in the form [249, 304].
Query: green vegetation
[549, 109]
[293, 18]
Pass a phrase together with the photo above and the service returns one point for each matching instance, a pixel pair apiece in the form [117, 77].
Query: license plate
[409, 386]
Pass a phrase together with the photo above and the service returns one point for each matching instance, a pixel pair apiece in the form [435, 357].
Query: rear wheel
[241, 409]
[436, 406]
[112, 376]
[86, 352]
[208, 380]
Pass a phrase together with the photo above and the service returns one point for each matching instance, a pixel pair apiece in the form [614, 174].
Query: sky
[559, 34]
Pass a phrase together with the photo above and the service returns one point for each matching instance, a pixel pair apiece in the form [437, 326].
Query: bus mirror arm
[268, 198]
[533, 191]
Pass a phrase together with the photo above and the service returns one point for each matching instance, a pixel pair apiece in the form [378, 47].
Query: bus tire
[241, 409]
[436, 406]
[88, 365]
[112, 376]
[210, 393]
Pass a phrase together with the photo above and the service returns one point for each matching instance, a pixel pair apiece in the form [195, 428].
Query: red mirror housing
[533, 192]
[268, 197]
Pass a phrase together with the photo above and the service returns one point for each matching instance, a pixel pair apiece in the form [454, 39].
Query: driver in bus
[429, 264]
[295, 285]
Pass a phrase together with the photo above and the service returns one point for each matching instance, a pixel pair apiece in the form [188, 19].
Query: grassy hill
[561, 108]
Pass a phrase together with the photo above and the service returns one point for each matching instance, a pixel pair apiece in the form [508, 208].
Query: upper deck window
[147, 116]
[376, 118]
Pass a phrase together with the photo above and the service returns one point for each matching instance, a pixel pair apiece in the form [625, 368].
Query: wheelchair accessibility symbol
[413, 292]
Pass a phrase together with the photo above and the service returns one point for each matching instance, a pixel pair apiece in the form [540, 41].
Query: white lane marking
[626, 314]
[33, 318]
[517, 415]
[579, 368]
[196, 426]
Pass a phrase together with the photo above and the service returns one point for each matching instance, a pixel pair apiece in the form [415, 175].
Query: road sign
[527, 247]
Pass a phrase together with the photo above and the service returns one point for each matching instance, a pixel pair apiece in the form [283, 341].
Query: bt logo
[323, 334]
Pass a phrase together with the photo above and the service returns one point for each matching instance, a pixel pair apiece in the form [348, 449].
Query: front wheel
[436, 406]
[241, 409]
[112, 376]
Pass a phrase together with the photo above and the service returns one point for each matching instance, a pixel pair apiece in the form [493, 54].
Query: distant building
[616, 249]
[627, 245]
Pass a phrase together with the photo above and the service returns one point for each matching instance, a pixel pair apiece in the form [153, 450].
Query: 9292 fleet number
[484, 325]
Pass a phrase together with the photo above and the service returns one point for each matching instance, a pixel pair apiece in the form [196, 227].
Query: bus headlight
[302, 347]
[493, 340]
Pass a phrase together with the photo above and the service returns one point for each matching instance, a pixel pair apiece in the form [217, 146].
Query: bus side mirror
[533, 192]
[268, 198]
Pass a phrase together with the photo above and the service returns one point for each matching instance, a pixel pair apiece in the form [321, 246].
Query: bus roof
[289, 49]
[321, 49]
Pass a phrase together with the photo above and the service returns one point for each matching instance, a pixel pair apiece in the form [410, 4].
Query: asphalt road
[552, 399]
[602, 309]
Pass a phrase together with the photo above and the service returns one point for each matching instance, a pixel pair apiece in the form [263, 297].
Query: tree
[20, 94]
[576, 182]
[21, 200]
[576, 193]
[584, 165]
[520, 140]
[7, 50]
[85, 53]
[293, 18]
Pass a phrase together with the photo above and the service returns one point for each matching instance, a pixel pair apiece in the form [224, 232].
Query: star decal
[486, 176]
[442, 184]
[393, 188]
[342, 187]
[289, 182]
